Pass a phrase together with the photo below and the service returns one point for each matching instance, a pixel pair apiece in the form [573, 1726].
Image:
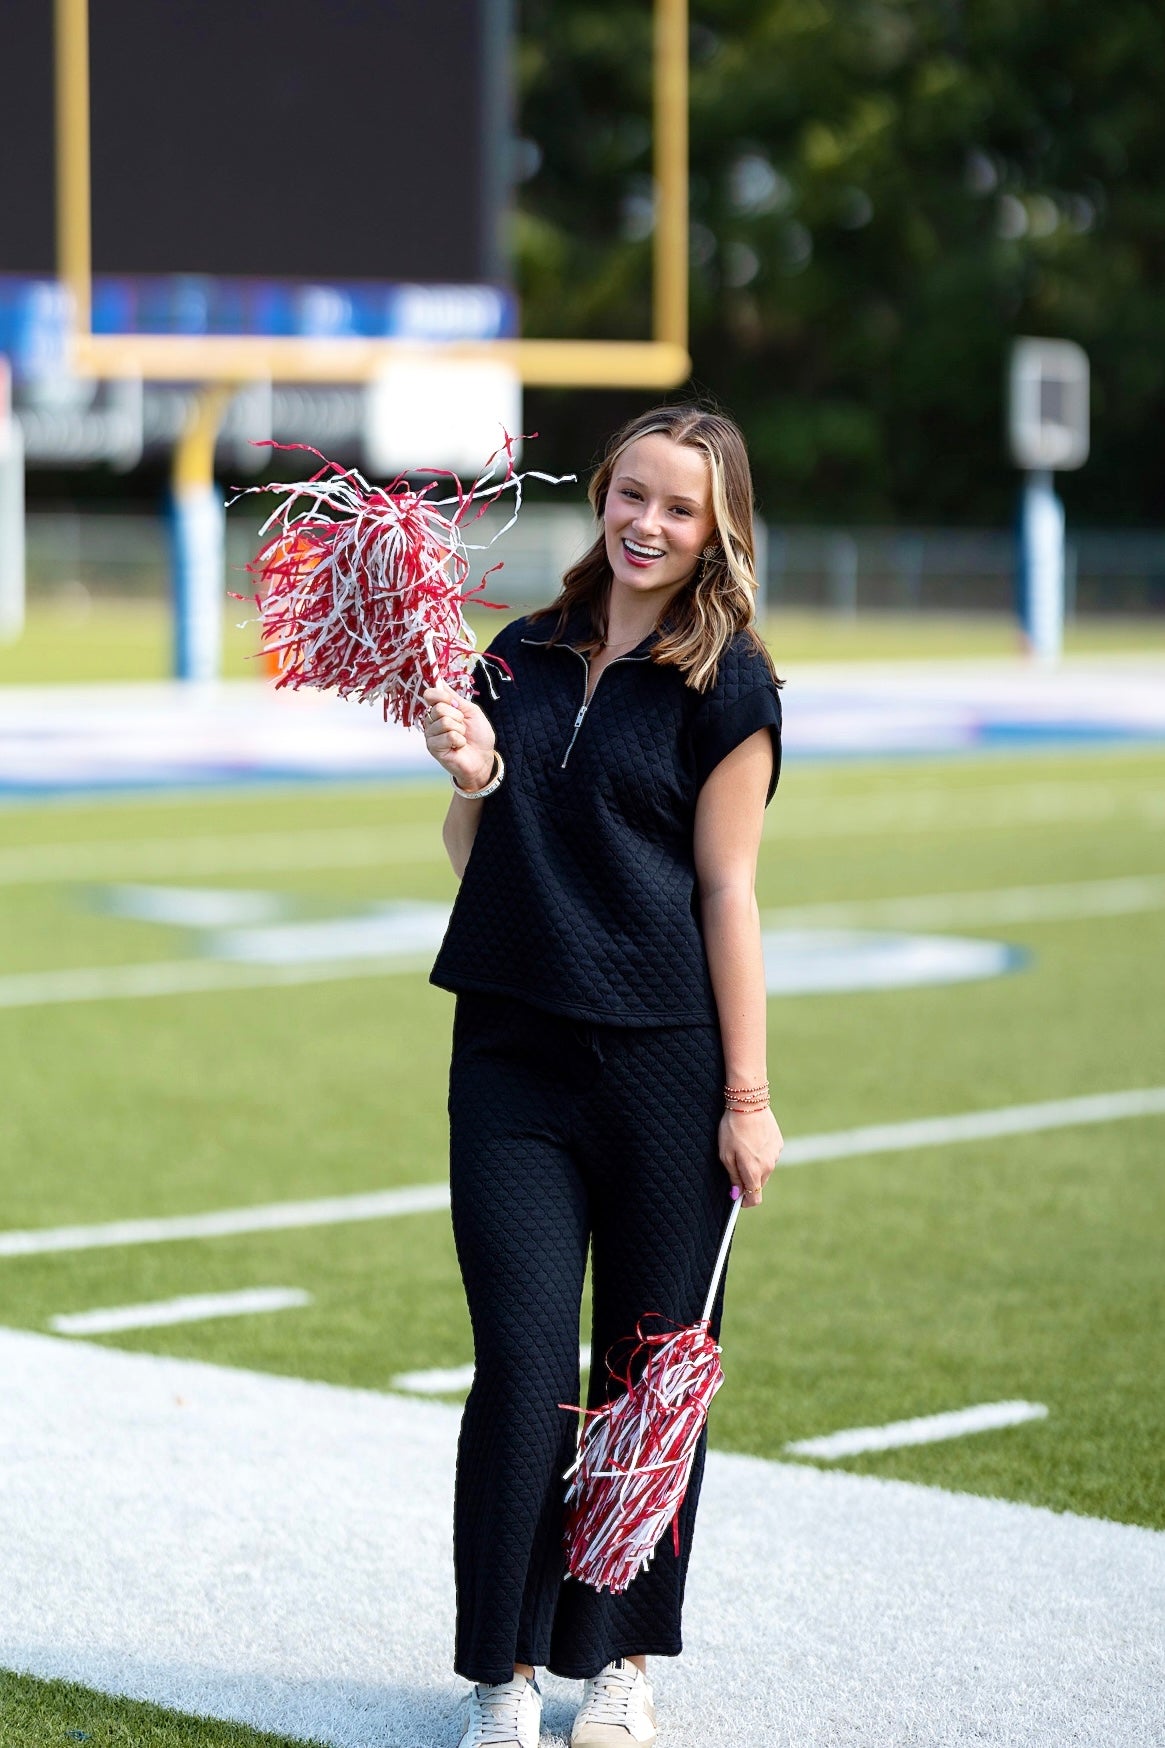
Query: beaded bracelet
[746, 1098]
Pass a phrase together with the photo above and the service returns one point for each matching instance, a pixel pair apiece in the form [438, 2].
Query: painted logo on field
[837, 961]
[270, 928]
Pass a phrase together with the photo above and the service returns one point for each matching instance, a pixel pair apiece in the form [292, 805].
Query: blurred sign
[35, 314]
[1048, 405]
[425, 412]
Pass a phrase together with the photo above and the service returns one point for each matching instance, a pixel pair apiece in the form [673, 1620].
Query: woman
[608, 1075]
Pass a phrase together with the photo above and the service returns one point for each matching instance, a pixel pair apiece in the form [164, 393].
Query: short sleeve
[743, 699]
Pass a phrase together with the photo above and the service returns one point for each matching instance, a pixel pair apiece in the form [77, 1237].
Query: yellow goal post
[659, 362]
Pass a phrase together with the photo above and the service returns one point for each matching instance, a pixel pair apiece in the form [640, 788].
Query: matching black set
[585, 1095]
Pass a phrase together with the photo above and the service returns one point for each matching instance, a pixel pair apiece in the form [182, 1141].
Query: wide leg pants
[565, 1134]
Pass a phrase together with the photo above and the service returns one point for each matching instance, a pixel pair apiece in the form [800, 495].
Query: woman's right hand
[460, 736]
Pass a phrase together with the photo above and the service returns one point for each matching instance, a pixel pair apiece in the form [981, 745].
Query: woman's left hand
[750, 1146]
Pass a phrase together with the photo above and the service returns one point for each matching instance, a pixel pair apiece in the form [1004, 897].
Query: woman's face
[658, 515]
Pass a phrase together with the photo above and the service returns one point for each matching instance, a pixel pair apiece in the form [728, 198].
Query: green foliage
[884, 193]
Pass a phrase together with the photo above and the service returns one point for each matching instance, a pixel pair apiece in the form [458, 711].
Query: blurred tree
[884, 192]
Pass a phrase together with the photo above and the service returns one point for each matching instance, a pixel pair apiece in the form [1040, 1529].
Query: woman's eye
[681, 510]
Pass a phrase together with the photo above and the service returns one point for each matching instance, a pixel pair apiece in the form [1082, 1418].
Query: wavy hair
[719, 599]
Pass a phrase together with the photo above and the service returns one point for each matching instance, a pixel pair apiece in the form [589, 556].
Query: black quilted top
[580, 891]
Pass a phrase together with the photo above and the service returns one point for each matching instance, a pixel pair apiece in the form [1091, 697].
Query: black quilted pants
[564, 1134]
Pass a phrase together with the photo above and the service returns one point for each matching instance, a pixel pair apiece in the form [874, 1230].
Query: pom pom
[361, 588]
[635, 1454]
[635, 1458]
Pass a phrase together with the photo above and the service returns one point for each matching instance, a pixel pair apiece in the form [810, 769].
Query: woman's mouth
[641, 555]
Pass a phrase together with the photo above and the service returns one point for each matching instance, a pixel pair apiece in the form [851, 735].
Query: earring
[711, 551]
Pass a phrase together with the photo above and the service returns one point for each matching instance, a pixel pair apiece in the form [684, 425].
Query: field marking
[423, 1198]
[1063, 901]
[279, 1549]
[1058, 902]
[229, 1222]
[966, 809]
[976, 1125]
[27, 989]
[190, 1308]
[454, 1380]
[332, 950]
[925, 1430]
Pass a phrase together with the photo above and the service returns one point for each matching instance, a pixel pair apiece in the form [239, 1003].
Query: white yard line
[229, 1222]
[454, 1380]
[421, 1198]
[192, 1308]
[927, 1429]
[27, 989]
[1064, 901]
[976, 1125]
[280, 1552]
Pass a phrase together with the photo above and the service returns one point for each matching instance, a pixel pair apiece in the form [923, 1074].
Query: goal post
[660, 361]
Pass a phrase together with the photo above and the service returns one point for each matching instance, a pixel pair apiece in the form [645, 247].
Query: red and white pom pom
[635, 1454]
[362, 587]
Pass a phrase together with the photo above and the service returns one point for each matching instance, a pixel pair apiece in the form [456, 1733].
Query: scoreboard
[270, 140]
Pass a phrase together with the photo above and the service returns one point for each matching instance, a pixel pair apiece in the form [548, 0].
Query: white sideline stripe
[926, 1430]
[192, 1308]
[189, 977]
[424, 1198]
[451, 1380]
[229, 1222]
[1064, 901]
[277, 1552]
[976, 1125]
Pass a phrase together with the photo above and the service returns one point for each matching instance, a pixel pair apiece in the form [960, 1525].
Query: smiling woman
[674, 496]
[608, 1087]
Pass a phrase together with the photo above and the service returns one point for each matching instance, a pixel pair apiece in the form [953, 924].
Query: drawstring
[588, 1035]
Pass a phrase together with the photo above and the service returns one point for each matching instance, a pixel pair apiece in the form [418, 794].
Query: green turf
[55, 1714]
[863, 1291]
[116, 639]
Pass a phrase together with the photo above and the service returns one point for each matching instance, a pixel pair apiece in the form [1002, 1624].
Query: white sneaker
[617, 1708]
[506, 1716]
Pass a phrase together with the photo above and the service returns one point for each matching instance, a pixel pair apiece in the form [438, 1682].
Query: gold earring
[710, 552]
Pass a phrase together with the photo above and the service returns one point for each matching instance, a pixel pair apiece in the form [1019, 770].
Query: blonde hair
[719, 599]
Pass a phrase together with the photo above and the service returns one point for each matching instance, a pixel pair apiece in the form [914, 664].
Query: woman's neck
[631, 616]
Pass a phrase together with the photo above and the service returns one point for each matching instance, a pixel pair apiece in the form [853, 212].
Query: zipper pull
[579, 717]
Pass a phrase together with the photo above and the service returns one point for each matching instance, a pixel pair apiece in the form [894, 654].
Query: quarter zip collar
[579, 625]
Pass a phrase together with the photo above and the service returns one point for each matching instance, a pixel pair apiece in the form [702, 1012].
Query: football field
[222, 1136]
